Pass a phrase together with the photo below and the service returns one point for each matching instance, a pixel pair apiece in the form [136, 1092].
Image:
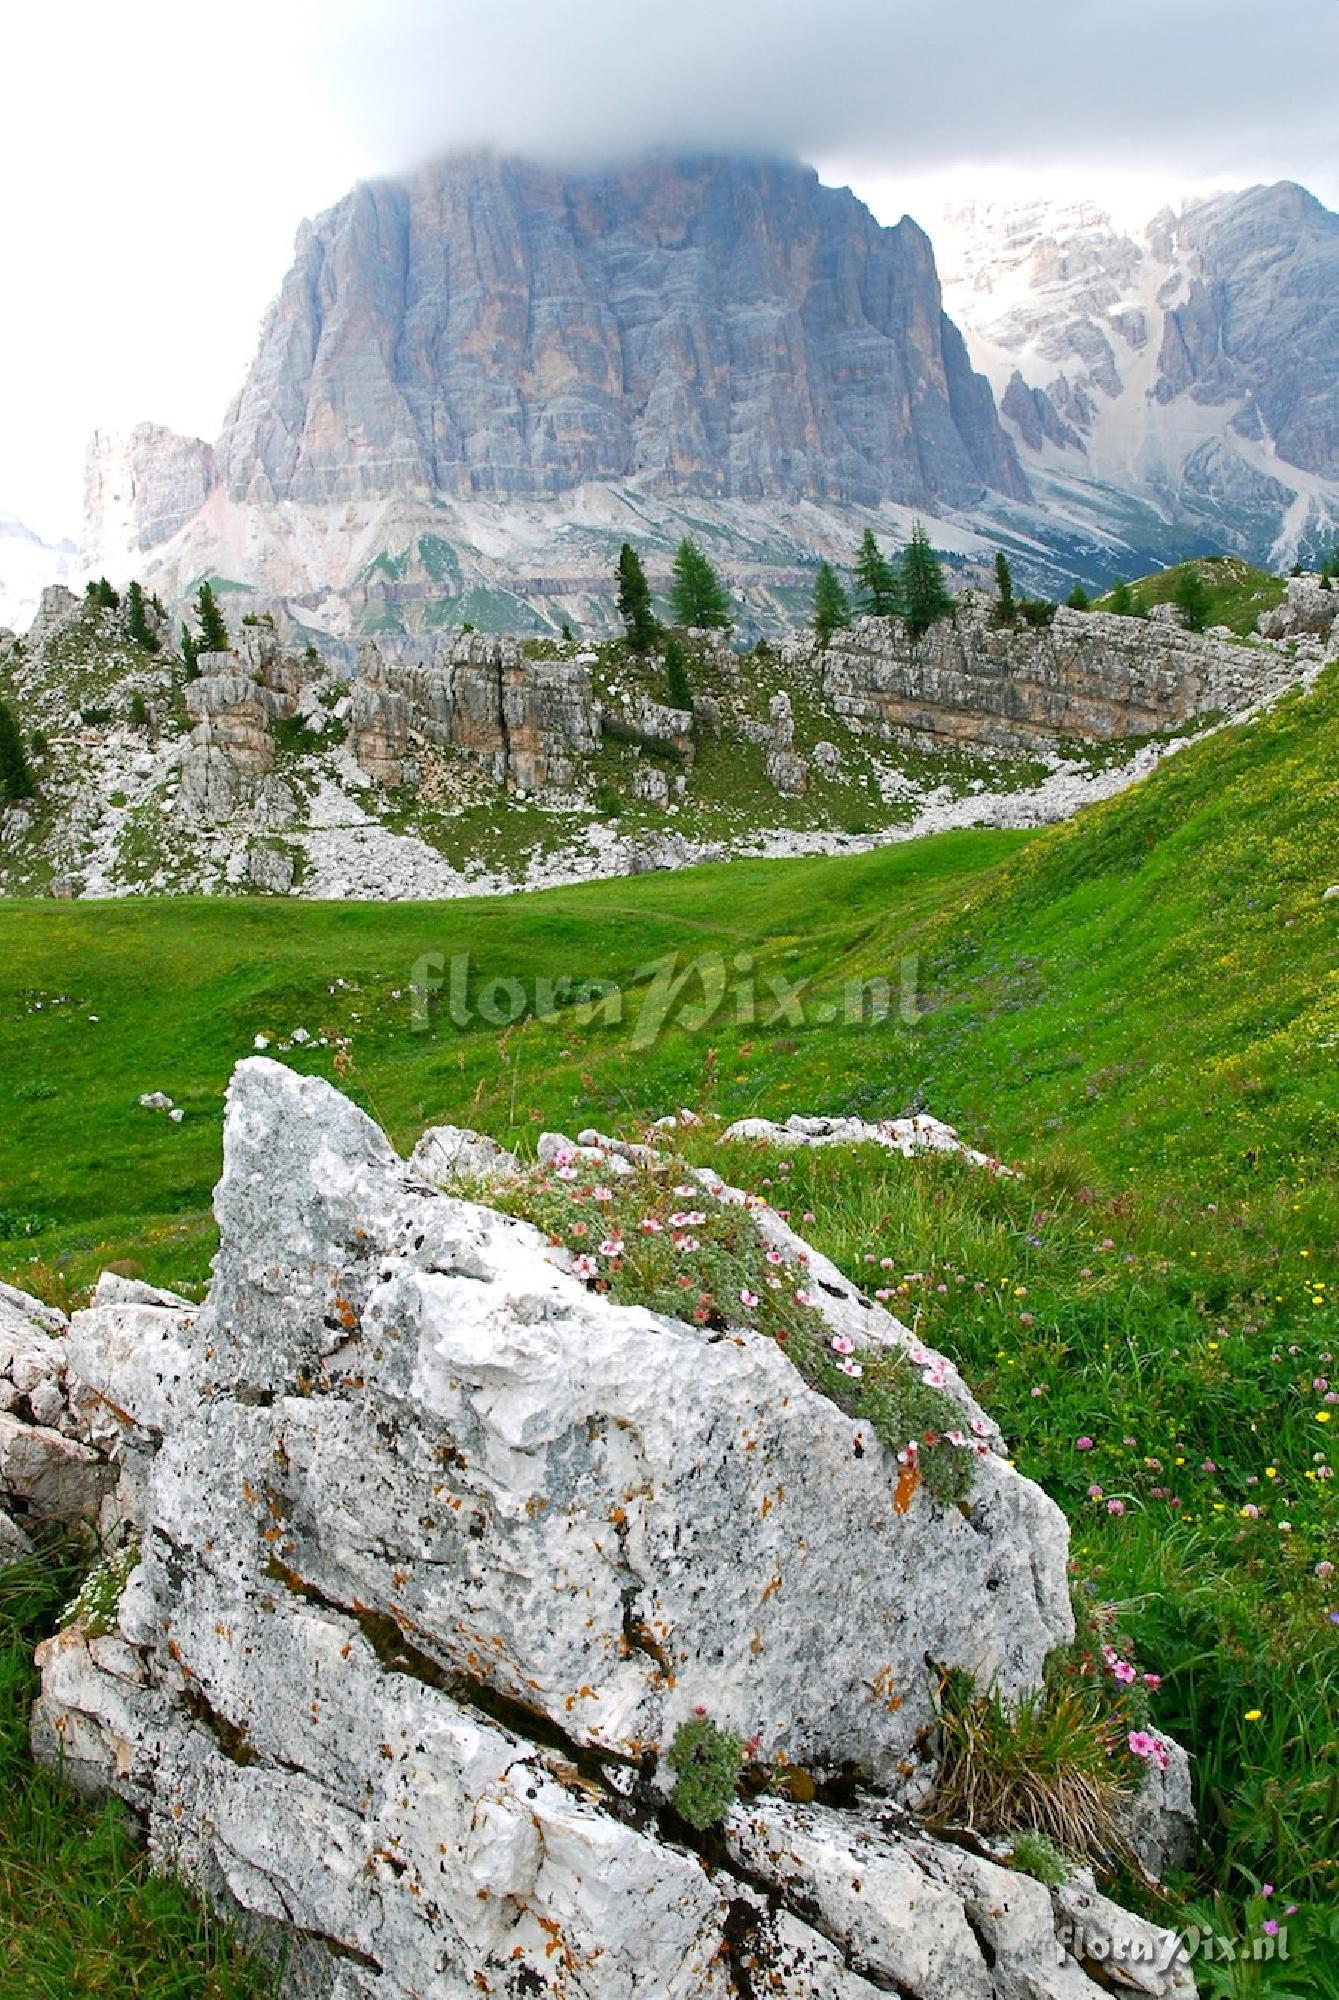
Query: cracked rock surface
[438, 1547]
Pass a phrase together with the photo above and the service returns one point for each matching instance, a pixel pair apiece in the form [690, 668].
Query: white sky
[156, 158]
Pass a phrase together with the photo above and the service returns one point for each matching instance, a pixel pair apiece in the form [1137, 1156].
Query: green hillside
[1237, 591]
[1140, 1009]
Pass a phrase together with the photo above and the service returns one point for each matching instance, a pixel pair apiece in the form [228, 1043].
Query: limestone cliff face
[718, 327]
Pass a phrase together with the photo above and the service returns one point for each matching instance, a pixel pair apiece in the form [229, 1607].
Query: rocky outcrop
[228, 763]
[436, 1549]
[525, 721]
[1088, 676]
[49, 1470]
[1309, 611]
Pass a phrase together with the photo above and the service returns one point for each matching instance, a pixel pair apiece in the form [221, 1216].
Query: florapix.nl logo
[690, 994]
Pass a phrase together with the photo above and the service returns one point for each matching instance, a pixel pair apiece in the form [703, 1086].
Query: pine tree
[1078, 599]
[832, 607]
[1122, 601]
[680, 688]
[925, 595]
[877, 579]
[1005, 611]
[16, 780]
[696, 596]
[190, 652]
[213, 632]
[634, 600]
[137, 623]
[1192, 599]
[106, 597]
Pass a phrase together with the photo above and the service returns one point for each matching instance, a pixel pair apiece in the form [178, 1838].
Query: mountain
[494, 362]
[1177, 382]
[27, 566]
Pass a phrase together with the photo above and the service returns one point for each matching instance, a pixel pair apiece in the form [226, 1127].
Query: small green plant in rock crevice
[1037, 1855]
[707, 1763]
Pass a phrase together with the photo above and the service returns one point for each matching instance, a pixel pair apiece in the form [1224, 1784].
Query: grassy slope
[1238, 592]
[1142, 1006]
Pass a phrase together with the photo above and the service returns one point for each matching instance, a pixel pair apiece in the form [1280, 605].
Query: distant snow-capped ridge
[27, 566]
[1190, 366]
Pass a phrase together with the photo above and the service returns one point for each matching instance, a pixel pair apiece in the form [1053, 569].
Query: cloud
[1201, 88]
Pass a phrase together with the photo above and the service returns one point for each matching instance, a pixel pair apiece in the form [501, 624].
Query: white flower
[686, 1244]
[261, 1042]
[850, 1367]
[747, 1298]
[612, 1246]
[565, 1173]
[584, 1267]
[649, 1226]
[601, 1194]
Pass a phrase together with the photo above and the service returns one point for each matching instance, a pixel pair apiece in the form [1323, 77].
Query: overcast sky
[157, 156]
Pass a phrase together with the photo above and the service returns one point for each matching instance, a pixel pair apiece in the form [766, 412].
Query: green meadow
[1139, 1010]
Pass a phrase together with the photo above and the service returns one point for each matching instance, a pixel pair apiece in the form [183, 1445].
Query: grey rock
[448, 1153]
[403, 1486]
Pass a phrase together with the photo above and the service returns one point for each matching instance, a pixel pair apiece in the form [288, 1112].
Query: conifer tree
[925, 595]
[1192, 599]
[1122, 600]
[213, 632]
[832, 607]
[190, 653]
[634, 600]
[697, 597]
[679, 687]
[137, 623]
[16, 780]
[877, 579]
[1005, 611]
[1078, 599]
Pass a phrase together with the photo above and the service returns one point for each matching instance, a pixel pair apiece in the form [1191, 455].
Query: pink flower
[803, 1299]
[982, 1428]
[1115, 1506]
[565, 1173]
[1094, 1492]
[685, 1187]
[935, 1376]
[1266, 1888]
[601, 1194]
[1124, 1672]
[612, 1246]
[775, 1257]
[850, 1367]
[584, 1267]
[747, 1298]
[649, 1226]
[809, 1215]
[1141, 1743]
[1152, 1680]
[1270, 1927]
[685, 1245]
[1083, 1444]
[842, 1344]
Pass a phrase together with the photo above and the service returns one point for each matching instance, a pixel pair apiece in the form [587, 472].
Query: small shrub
[139, 711]
[609, 804]
[706, 1762]
[1036, 612]
[95, 718]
